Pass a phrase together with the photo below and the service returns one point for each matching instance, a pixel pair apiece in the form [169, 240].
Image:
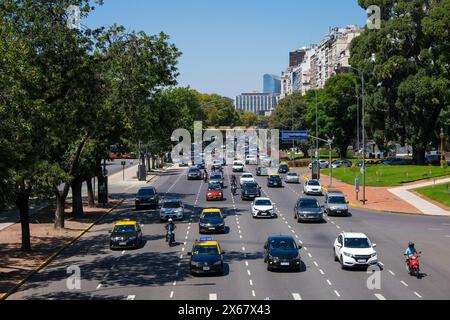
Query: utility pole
[442, 136]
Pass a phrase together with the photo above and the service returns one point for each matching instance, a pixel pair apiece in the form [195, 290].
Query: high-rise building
[257, 103]
[272, 84]
[296, 57]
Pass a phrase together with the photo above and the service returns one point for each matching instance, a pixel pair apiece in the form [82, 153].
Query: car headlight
[348, 254]
[301, 213]
[132, 238]
[274, 259]
[217, 263]
[373, 255]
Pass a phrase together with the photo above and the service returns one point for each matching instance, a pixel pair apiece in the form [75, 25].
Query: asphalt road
[156, 271]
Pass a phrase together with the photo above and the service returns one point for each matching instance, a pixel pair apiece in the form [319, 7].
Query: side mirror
[300, 247]
[189, 254]
[374, 245]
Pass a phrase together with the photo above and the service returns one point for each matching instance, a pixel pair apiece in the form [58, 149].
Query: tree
[248, 119]
[411, 47]
[219, 111]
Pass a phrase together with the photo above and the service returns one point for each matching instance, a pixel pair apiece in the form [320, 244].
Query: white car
[238, 166]
[246, 177]
[324, 164]
[312, 187]
[354, 250]
[263, 208]
[252, 160]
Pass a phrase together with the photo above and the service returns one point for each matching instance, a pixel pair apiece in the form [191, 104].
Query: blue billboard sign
[294, 135]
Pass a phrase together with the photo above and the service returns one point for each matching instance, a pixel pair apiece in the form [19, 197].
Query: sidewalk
[11, 217]
[387, 199]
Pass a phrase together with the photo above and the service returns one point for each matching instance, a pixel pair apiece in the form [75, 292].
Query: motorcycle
[170, 238]
[413, 265]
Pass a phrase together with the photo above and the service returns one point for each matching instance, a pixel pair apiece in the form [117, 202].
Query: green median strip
[439, 193]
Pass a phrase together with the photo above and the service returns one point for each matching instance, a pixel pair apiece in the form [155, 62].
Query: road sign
[287, 136]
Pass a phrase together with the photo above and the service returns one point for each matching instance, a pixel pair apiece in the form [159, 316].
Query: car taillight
[209, 194]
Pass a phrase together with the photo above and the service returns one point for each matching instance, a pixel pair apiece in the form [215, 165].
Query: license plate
[285, 263]
[362, 261]
[339, 211]
[206, 268]
[212, 228]
[122, 243]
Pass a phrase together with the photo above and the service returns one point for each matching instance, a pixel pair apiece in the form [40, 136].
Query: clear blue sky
[228, 45]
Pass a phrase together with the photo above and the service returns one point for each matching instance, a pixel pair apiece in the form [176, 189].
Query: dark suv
[250, 191]
[194, 174]
[147, 196]
[282, 252]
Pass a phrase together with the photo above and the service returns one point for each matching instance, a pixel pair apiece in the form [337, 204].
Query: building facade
[257, 103]
[271, 84]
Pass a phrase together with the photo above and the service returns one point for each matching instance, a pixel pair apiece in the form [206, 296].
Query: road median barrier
[47, 261]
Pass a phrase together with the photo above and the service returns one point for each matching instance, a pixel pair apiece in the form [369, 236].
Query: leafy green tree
[248, 119]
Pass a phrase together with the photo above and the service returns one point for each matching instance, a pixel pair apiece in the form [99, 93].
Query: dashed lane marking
[171, 294]
[213, 296]
[248, 272]
[321, 272]
[379, 296]
[131, 297]
[251, 282]
[337, 293]
[404, 283]
[392, 273]
[329, 283]
[297, 296]
[309, 255]
[253, 293]
[99, 286]
[418, 295]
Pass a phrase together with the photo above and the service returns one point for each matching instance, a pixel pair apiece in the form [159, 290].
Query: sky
[228, 45]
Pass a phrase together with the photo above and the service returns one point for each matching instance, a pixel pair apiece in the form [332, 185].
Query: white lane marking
[253, 293]
[131, 297]
[310, 255]
[332, 222]
[337, 293]
[297, 237]
[99, 286]
[186, 238]
[213, 296]
[305, 248]
[321, 272]
[338, 227]
[181, 256]
[240, 236]
[248, 272]
[293, 231]
[316, 264]
[246, 263]
[182, 249]
[123, 252]
[404, 283]
[239, 227]
[381, 264]
[240, 231]
[171, 294]
[174, 283]
[289, 227]
[390, 271]
[448, 236]
[417, 294]
[329, 283]
[251, 282]
[379, 296]
[297, 296]
[243, 248]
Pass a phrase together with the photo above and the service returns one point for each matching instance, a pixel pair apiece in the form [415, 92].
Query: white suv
[238, 166]
[263, 208]
[354, 250]
[312, 187]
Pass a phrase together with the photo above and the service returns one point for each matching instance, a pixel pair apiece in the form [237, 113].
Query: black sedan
[250, 191]
[146, 196]
[283, 253]
[194, 173]
[211, 221]
[274, 181]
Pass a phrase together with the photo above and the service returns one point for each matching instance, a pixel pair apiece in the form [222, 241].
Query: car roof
[335, 193]
[172, 200]
[125, 223]
[206, 243]
[147, 188]
[311, 180]
[211, 210]
[261, 198]
[284, 164]
[281, 238]
[354, 235]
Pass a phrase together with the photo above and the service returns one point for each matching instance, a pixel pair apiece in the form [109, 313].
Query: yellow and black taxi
[283, 168]
[274, 180]
[211, 221]
[126, 234]
[206, 257]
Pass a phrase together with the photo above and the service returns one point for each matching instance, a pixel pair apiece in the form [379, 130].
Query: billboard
[289, 136]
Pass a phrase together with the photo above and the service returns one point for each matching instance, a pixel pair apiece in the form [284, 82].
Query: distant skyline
[229, 45]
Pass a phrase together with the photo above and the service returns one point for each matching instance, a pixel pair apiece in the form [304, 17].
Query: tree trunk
[77, 197]
[60, 205]
[23, 205]
[419, 155]
[91, 198]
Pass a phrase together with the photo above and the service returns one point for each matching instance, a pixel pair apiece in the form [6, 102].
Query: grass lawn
[389, 176]
[439, 193]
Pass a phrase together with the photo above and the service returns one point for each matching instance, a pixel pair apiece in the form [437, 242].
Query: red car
[115, 156]
[129, 156]
[214, 192]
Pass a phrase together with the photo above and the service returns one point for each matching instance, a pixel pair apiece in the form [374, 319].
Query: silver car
[172, 209]
[292, 177]
[336, 204]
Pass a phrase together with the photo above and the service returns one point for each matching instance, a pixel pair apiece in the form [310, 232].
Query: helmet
[411, 244]
[170, 220]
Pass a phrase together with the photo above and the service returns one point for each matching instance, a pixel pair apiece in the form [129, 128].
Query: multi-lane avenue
[156, 271]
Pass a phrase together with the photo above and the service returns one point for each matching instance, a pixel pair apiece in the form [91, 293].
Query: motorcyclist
[233, 184]
[233, 179]
[205, 175]
[170, 227]
[411, 250]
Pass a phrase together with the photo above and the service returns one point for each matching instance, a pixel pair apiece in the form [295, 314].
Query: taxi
[206, 257]
[125, 234]
[283, 168]
[211, 221]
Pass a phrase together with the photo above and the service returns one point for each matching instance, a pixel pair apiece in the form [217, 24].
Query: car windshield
[250, 186]
[172, 205]
[214, 186]
[337, 200]
[309, 203]
[263, 203]
[216, 177]
[124, 229]
[212, 215]
[275, 178]
[247, 176]
[292, 174]
[359, 243]
[238, 163]
[283, 244]
[208, 250]
[146, 192]
[313, 183]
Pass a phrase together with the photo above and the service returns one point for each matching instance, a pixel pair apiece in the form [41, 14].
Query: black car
[211, 221]
[147, 196]
[194, 173]
[125, 234]
[284, 168]
[282, 252]
[274, 181]
[250, 191]
[206, 257]
[217, 177]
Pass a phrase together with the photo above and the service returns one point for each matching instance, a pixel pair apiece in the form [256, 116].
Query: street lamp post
[442, 136]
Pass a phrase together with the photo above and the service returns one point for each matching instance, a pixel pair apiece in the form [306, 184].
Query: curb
[154, 176]
[46, 262]
[388, 211]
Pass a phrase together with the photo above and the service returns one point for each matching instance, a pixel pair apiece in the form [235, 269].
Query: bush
[444, 164]
[299, 163]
